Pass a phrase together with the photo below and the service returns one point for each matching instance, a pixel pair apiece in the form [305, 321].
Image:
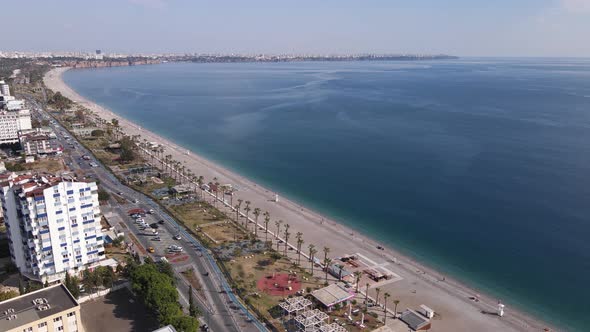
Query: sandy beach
[413, 284]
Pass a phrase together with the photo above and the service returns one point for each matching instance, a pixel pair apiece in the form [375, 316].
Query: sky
[458, 27]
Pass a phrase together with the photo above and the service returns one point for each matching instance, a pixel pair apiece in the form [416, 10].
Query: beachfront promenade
[414, 284]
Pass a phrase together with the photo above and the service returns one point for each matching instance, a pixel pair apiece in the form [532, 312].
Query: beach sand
[416, 284]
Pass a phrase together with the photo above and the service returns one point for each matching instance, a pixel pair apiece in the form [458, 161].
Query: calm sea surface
[479, 167]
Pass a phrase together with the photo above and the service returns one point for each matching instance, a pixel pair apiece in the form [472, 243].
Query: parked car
[157, 238]
[151, 249]
[177, 237]
[161, 222]
[154, 225]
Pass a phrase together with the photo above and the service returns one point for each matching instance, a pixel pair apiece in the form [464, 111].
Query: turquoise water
[478, 167]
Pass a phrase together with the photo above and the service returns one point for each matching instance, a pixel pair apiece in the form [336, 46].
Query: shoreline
[450, 297]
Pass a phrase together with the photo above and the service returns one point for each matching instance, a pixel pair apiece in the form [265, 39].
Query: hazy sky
[459, 27]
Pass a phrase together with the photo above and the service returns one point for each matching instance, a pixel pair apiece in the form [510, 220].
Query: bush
[97, 133]
[8, 295]
[103, 195]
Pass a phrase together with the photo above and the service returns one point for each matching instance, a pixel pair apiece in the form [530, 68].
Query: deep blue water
[479, 167]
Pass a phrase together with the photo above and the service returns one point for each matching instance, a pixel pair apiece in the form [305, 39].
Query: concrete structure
[331, 295]
[11, 123]
[53, 225]
[4, 89]
[37, 143]
[84, 132]
[414, 320]
[167, 328]
[46, 310]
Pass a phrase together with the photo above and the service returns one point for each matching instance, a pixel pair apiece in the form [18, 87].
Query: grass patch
[45, 165]
[245, 273]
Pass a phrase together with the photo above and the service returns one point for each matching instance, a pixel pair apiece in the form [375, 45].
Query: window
[57, 319]
[70, 314]
[60, 328]
[42, 324]
[30, 329]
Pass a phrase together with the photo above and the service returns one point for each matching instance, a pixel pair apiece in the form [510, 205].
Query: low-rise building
[37, 143]
[46, 310]
[84, 132]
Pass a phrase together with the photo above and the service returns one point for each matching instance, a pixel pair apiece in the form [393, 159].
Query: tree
[103, 195]
[192, 308]
[357, 278]
[247, 209]
[166, 268]
[385, 297]
[266, 221]
[278, 224]
[97, 133]
[378, 290]
[185, 323]
[73, 285]
[300, 241]
[287, 234]
[256, 215]
[327, 262]
[312, 251]
[395, 302]
[115, 122]
[366, 295]
[21, 286]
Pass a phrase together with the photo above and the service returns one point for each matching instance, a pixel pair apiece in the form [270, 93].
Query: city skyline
[457, 27]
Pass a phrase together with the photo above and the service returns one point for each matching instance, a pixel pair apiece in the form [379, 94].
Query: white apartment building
[53, 225]
[4, 89]
[11, 122]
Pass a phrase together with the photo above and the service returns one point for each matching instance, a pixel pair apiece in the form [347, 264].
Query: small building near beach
[415, 321]
[332, 295]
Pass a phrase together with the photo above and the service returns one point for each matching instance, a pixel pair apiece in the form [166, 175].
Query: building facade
[37, 143]
[51, 309]
[4, 89]
[11, 123]
[53, 225]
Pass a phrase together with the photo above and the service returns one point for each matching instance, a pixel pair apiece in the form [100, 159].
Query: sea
[477, 167]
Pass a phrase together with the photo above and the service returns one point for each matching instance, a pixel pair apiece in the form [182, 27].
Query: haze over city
[457, 27]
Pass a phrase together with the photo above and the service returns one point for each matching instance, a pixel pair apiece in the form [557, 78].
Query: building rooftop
[167, 328]
[34, 306]
[332, 294]
[414, 320]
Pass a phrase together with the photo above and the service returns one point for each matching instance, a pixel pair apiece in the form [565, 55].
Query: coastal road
[219, 311]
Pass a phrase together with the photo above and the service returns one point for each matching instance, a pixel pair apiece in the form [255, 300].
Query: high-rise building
[11, 123]
[53, 225]
[98, 55]
[4, 89]
[46, 310]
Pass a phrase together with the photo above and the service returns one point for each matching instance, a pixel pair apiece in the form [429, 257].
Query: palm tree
[326, 252]
[278, 224]
[266, 221]
[327, 262]
[247, 209]
[378, 290]
[286, 238]
[357, 278]
[312, 252]
[240, 201]
[256, 215]
[237, 208]
[395, 302]
[385, 297]
[366, 295]
[298, 236]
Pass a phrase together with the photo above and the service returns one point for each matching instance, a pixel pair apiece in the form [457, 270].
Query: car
[120, 193]
[155, 233]
[206, 274]
[135, 201]
[151, 250]
[157, 238]
[161, 222]
[177, 237]
[204, 327]
[154, 225]
[150, 211]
